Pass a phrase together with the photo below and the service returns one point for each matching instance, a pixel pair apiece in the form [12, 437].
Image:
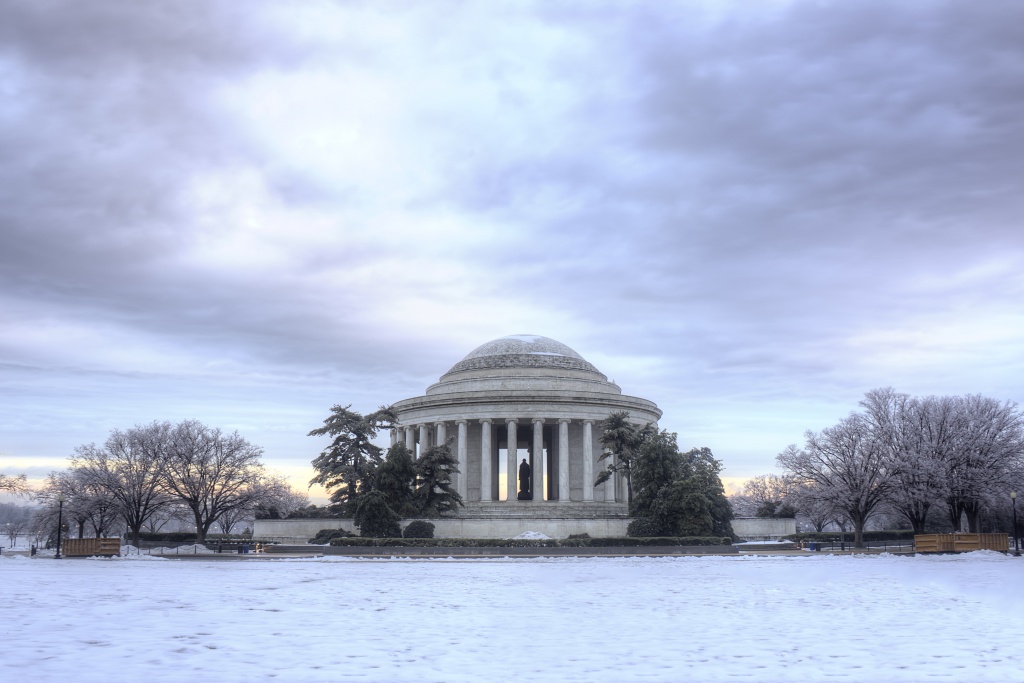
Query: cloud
[750, 215]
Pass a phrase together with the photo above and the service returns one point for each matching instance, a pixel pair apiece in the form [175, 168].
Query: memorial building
[523, 414]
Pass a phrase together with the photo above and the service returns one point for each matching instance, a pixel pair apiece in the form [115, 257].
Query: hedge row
[189, 537]
[900, 535]
[618, 542]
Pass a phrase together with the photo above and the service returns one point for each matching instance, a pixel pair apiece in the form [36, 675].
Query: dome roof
[522, 351]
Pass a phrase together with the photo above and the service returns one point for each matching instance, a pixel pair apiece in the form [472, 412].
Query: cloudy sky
[749, 213]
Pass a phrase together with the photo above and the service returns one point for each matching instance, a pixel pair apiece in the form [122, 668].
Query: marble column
[486, 494]
[410, 441]
[609, 486]
[513, 465]
[588, 460]
[394, 436]
[462, 481]
[563, 460]
[440, 433]
[424, 439]
[538, 460]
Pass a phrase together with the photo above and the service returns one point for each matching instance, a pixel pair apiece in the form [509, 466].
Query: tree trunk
[200, 529]
[136, 529]
[858, 532]
[973, 510]
[956, 509]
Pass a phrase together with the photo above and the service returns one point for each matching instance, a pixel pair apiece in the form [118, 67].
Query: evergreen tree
[677, 494]
[349, 463]
[396, 477]
[434, 491]
[622, 441]
[374, 516]
[706, 471]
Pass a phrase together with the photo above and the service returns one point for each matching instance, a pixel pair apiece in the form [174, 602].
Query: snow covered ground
[814, 618]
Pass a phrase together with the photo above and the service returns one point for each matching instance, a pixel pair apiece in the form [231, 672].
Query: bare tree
[64, 490]
[924, 435]
[14, 484]
[170, 513]
[130, 469]
[276, 501]
[770, 495]
[848, 464]
[212, 473]
[14, 521]
[814, 505]
[987, 450]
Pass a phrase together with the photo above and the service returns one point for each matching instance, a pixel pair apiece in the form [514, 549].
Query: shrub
[643, 527]
[170, 536]
[574, 537]
[327, 535]
[419, 529]
[375, 518]
[314, 512]
[618, 542]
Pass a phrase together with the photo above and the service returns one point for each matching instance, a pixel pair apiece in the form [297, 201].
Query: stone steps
[546, 510]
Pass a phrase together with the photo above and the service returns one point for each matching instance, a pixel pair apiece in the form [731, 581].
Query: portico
[515, 398]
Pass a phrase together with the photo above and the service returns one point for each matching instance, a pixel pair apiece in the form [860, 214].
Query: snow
[836, 618]
[531, 536]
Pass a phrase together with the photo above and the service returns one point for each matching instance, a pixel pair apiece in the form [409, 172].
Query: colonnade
[567, 467]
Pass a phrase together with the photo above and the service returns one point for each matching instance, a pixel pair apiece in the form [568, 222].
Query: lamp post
[60, 522]
[1016, 543]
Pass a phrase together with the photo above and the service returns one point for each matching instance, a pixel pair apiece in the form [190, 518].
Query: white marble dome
[528, 351]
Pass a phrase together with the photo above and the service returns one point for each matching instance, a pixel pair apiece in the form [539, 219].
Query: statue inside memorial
[525, 493]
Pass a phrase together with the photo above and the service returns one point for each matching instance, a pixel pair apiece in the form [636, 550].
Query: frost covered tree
[278, 501]
[848, 464]
[921, 436]
[964, 453]
[348, 465]
[212, 473]
[130, 469]
[769, 495]
[15, 520]
[813, 504]
[987, 450]
[14, 484]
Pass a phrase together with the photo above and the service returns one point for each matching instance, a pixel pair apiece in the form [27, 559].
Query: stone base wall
[758, 528]
[299, 531]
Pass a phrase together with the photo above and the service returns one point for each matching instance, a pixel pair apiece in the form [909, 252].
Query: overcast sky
[749, 213]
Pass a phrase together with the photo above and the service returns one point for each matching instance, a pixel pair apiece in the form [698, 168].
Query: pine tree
[396, 477]
[349, 463]
[435, 494]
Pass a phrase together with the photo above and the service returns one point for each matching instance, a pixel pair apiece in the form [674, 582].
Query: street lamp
[60, 522]
[1016, 543]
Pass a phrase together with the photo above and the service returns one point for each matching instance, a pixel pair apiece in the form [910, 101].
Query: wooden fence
[87, 547]
[960, 543]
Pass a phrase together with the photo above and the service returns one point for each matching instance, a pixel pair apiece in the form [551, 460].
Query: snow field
[877, 618]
